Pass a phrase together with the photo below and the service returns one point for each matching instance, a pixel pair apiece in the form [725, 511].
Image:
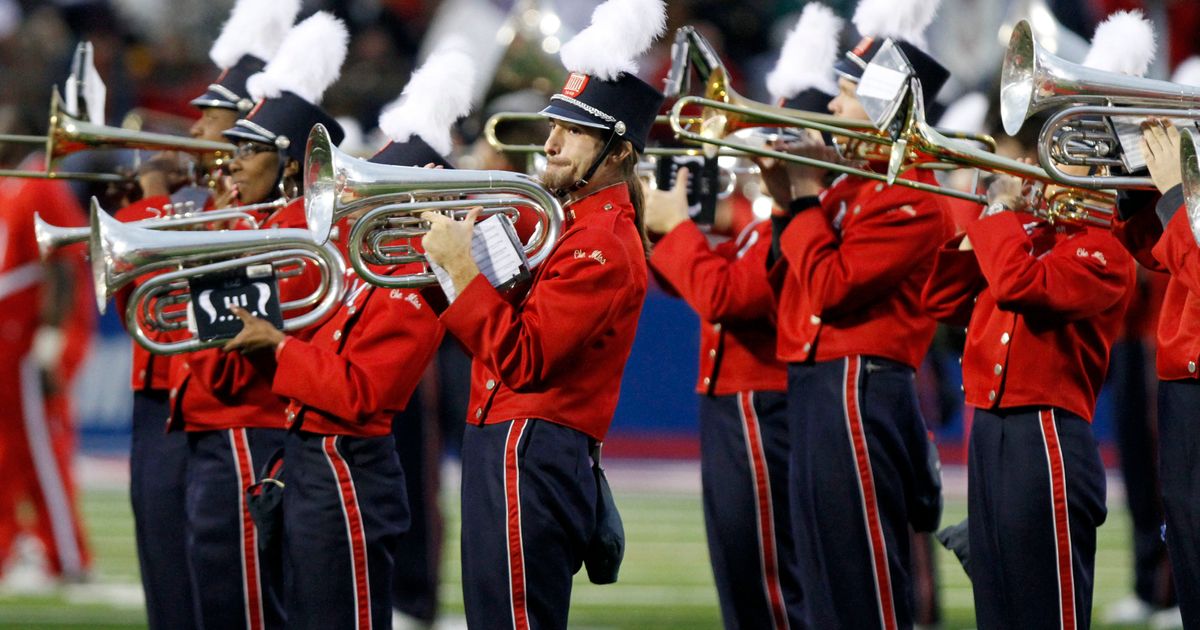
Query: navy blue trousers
[743, 472]
[1035, 497]
[528, 512]
[234, 585]
[859, 447]
[1137, 444]
[1179, 470]
[157, 491]
[344, 508]
[418, 444]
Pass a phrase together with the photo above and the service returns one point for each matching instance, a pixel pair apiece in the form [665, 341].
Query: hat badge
[575, 84]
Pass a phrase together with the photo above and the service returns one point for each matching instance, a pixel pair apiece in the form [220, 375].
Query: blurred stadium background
[152, 56]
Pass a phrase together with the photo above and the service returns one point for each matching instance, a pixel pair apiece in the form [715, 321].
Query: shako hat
[802, 78]
[251, 36]
[904, 22]
[418, 123]
[288, 91]
[602, 90]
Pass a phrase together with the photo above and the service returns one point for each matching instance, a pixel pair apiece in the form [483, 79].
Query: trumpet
[121, 253]
[391, 197]
[1082, 132]
[67, 135]
[51, 238]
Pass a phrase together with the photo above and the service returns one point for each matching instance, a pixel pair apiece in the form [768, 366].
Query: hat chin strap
[583, 181]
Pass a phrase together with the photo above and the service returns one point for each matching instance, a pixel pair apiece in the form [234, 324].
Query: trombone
[68, 134]
[725, 112]
[390, 199]
[51, 238]
[1034, 80]
[1045, 197]
[121, 253]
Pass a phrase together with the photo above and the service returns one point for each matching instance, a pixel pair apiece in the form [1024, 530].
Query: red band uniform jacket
[1171, 249]
[361, 365]
[149, 371]
[727, 285]
[557, 351]
[212, 390]
[1044, 304]
[852, 271]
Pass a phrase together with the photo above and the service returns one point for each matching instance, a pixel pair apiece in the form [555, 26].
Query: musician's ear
[291, 169]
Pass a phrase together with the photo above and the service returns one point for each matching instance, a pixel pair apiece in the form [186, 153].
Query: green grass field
[665, 581]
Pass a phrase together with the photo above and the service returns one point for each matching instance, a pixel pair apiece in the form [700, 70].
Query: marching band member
[548, 358]
[235, 423]
[418, 128]
[851, 327]
[1043, 303]
[157, 458]
[345, 502]
[1158, 233]
[46, 323]
[742, 386]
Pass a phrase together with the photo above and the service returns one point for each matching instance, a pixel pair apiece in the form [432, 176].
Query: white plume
[807, 57]
[1188, 72]
[254, 27]
[620, 32]
[1123, 43]
[437, 94]
[308, 62]
[899, 19]
[968, 113]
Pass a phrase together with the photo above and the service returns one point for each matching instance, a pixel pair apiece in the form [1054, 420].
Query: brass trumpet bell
[67, 135]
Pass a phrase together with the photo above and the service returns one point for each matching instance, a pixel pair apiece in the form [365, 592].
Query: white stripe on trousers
[45, 463]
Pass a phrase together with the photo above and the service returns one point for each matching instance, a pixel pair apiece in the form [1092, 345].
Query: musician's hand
[448, 243]
[1006, 190]
[666, 209]
[1160, 145]
[788, 181]
[162, 174]
[256, 334]
[225, 192]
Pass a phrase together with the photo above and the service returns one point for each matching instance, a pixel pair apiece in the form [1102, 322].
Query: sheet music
[1129, 133]
[498, 253]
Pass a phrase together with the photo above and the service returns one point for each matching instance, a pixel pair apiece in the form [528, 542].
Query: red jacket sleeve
[1138, 235]
[383, 360]
[720, 287]
[878, 247]
[1078, 278]
[137, 211]
[949, 294]
[1178, 252]
[573, 299]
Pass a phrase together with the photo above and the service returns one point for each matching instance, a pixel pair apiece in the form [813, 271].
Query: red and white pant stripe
[866, 486]
[764, 513]
[251, 575]
[355, 534]
[1062, 524]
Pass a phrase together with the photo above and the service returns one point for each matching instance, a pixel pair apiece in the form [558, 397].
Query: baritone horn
[1091, 103]
[121, 253]
[68, 134]
[391, 198]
